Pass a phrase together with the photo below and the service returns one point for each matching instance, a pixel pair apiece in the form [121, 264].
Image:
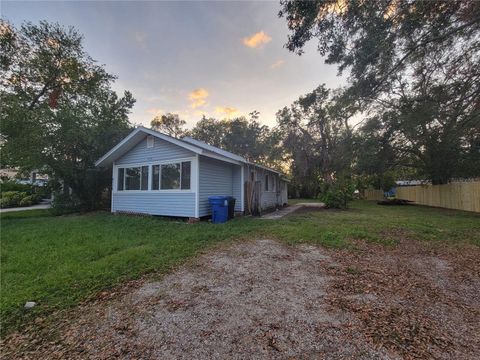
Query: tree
[242, 136]
[412, 63]
[317, 138]
[169, 124]
[379, 40]
[210, 131]
[58, 111]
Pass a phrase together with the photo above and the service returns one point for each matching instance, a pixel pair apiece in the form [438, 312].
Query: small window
[186, 175]
[120, 179]
[170, 176]
[150, 141]
[155, 177]
[266, 182]
[252, 176]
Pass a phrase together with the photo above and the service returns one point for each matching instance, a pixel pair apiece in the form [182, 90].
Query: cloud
[198, 98]
[257, 39]
[227, 111]
[141, 39]
[155, 111]
[277, 64]
[199, 113]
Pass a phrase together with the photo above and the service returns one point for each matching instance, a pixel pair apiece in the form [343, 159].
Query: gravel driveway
[262, 299]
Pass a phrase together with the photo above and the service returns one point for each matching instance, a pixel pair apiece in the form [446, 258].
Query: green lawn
[59, 261]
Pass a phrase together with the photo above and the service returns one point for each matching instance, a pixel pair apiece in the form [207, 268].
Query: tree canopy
[413, 71]
[169, 124]
[316, 138]
[58, 112]
[243, 136]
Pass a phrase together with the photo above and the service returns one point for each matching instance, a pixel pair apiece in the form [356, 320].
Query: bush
[27, 201]
[38, 192]
[12, 198]
[339, 194]
[36, 198]
[65, 204]
[334, 199]
[18, 198]
[9, 186]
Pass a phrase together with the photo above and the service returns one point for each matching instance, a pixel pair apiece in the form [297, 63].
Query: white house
[156, 174]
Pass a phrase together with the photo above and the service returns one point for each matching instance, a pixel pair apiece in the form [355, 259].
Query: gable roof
[133, 139]
[196, 146]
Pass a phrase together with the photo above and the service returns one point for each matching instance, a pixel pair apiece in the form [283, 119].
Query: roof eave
[106, 159]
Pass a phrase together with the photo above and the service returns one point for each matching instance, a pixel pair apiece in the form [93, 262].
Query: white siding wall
[155, 203]
[216, 178]
[162, 150]
[237, 186]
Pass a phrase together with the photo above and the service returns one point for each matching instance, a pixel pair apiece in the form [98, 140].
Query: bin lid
[218, 197]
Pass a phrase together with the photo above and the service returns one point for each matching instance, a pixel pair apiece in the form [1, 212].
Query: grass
[60, 261]
[25, 214]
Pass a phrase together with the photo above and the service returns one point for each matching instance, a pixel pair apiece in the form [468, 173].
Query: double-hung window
[133, 178]
[174, 176]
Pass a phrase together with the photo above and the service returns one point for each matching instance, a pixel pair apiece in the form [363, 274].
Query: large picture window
[170, 175]
[173, 176]
[133, 178]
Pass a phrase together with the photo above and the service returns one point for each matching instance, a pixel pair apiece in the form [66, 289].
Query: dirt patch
[256, 299]
[262, 299]
[424, 299]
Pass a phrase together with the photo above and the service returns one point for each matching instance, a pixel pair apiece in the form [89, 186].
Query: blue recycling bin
[219, 208]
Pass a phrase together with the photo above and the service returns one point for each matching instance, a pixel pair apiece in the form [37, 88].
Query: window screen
[132, 178]
[170, 176]
[155, 177]
[120, 179]
[144, 180]
[186, 169]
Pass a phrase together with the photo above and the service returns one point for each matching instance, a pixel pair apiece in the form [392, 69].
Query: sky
[221, 59]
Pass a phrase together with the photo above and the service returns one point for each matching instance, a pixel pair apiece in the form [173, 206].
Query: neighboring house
[400, 183]
[156, 174]
[35, 177]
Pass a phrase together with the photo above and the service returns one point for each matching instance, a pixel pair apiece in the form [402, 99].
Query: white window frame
[193, 176]
[160, 176]
[125, 178]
